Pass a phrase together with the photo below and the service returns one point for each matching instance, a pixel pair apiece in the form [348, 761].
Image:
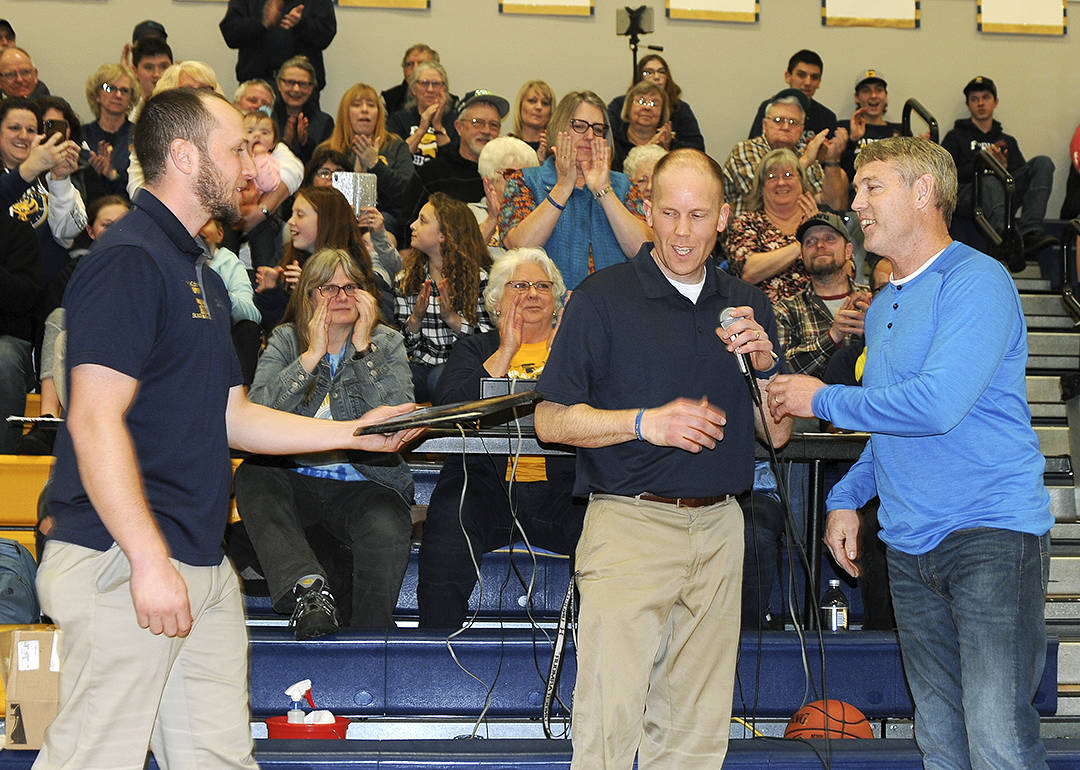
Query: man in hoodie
[1033, 177]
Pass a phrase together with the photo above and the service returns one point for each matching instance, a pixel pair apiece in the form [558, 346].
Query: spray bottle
[299, 691]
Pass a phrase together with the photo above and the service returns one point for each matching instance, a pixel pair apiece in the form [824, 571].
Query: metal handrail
[986, 165]
[914, 105]
[1068, 268]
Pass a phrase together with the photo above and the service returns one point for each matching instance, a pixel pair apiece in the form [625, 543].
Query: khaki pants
[658, 633]
[124, 690]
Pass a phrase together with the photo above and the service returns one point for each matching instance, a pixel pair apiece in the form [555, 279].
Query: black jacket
[966, 139]
[261, 51]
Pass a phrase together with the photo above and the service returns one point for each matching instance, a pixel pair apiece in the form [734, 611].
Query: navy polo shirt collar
[655, 284]
[167, 221]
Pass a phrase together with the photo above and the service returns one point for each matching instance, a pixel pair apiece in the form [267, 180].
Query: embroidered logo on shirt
[203, 311]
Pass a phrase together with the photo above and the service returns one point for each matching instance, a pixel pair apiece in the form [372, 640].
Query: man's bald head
[688, 159]
[18, 75]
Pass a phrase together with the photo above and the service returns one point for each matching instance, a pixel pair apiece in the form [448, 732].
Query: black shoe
[39, 440]
[315, 613]
[1036, 242]
[1011, 253]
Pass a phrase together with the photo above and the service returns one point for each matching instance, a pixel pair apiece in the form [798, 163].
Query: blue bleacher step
[410, 673]
[756, 754]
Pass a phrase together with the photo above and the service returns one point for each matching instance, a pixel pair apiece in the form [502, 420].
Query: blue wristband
[637, 425]
[553, 203]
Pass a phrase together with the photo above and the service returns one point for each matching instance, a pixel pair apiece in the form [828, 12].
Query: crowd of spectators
[411, 196]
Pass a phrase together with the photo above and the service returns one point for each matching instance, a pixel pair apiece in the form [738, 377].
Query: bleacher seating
[407, 676]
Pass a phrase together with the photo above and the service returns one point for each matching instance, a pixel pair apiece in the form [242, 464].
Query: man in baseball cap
[867, 124]
[828, 314]
[454, 170]
[1033, 178]
[148, 28]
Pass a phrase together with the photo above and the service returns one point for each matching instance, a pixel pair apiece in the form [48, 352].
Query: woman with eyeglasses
[440, 293]
[761, 245]
[525, 294]
[111, 92]
[360, 133]
[303, 124]
[684, 124]
[426, 122]
[332, 358]
[645, 120]
[582, 213]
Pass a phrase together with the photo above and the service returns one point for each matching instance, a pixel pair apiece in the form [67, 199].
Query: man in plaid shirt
[828, 314]
[782, 127]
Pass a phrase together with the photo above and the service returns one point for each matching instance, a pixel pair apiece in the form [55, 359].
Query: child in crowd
[440, 293]
[246, 333]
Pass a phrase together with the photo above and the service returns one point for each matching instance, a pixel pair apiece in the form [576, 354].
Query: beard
[214, 195]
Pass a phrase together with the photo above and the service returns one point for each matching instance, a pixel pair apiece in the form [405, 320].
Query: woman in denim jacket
[333, 358]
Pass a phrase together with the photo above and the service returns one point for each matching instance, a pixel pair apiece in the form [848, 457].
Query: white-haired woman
[426, 122]
[499, 156]
[639, 165]
[525, 293]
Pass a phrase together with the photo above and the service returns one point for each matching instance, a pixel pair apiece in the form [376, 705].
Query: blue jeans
[973, 641]
[1033, 183]
[16, 377]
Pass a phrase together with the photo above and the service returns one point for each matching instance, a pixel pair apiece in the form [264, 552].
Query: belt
[685, 502]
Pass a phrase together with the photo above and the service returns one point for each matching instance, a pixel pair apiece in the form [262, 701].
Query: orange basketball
[842, 720]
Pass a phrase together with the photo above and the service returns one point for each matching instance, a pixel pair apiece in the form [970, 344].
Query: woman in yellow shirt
[525, 294]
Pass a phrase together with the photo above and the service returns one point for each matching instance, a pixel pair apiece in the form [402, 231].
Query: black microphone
[727, 318]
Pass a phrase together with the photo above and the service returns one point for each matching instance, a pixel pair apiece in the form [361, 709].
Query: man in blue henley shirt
[955, 462]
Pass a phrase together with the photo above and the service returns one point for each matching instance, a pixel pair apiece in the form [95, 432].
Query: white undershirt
[689, 290]
[917, 273]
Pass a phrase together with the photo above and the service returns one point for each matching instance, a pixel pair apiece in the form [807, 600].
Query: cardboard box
[31, 674]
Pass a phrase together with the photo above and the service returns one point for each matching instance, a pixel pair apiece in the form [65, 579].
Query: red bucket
[280, 727]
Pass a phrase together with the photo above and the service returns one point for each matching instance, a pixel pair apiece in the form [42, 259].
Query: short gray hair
[254, 82]
[787, 100]
[505, 152]
[503, 270]
[430, 64]
[915, 156]
[643, 153]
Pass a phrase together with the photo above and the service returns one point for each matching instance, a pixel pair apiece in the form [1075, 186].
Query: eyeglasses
[109, 88]
[325, 173]
[331, 290]
[13, 74]
[789, 122]
[542, 287]
[648, 73]
[494, 125]
[581, 126]
[430, 84]
[301, 84]
[647, 102]
[772, 176]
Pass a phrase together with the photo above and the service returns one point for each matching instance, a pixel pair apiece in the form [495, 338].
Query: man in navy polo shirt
[641, 379]
[155, 650]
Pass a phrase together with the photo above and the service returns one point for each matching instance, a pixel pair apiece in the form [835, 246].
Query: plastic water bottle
[834, 609]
